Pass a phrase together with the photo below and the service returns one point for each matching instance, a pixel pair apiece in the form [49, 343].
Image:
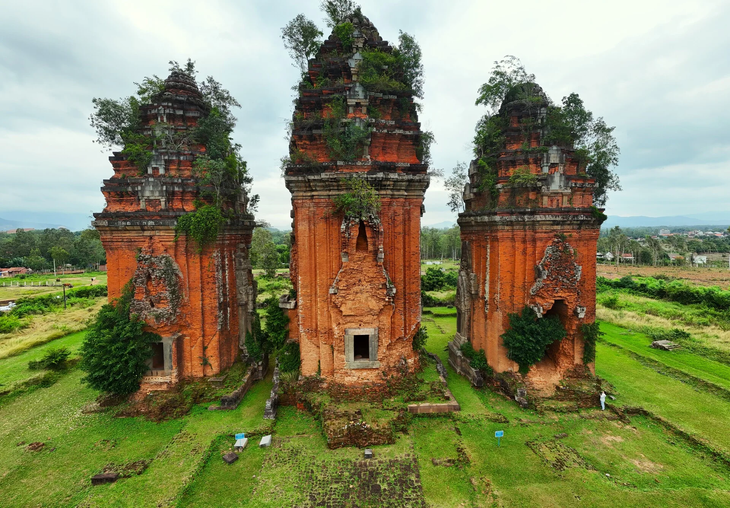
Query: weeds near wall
[591, 334]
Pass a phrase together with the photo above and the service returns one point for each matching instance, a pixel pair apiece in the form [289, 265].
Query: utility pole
[64, 294]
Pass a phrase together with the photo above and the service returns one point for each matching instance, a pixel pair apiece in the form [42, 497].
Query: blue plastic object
[499, 435]
[242, 435]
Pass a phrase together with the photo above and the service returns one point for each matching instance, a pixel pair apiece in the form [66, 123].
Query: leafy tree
[337, 11]
[277, 324]
[302, 39]
[261, 237]
[35, 261]
[618, 242]
[59, 254]
[23, 243]
[269, 259]
[570, 125]
[433, 280]
[116, 348]
[506, 73]
[284, 253]
[529, 336]
[410, 59]
[455, 187]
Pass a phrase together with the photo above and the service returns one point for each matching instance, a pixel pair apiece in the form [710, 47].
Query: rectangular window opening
[158, 356]
[361, 347]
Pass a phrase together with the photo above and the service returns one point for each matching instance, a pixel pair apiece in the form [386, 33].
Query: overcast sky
[658, 70]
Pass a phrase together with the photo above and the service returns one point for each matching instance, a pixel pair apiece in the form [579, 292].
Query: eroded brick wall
[340, 287]
[199, 301]
[531, 244]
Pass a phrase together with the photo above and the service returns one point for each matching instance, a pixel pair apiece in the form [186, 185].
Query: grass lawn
[15, 369]
[696, 412]
[48, 327]
[441, 461]
[78, 445]
[694, 365]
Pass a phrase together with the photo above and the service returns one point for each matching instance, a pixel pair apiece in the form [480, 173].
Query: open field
[697, 276]
[583, 458]
[446, 264]
[29, 285]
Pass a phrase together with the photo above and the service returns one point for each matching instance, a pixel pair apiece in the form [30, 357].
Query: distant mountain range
[699, 219]
[441, 225]
[43, 220]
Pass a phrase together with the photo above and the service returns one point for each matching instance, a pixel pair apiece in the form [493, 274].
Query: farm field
[29, 285]
[675, 452]
[693, 275]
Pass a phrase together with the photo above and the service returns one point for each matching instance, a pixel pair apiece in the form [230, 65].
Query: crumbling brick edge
[428, 408]
[273, 400]
[255, 373]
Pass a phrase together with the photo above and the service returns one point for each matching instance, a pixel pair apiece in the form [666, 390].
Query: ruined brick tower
[357, 278]
[529, 235]
[200, 301]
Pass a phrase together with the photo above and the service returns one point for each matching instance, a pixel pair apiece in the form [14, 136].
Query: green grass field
[445, 461]
[29, 286]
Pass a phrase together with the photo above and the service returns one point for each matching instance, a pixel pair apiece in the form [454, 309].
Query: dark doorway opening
[158, 356]
[361, 346]
[559, 310]
[362, 238]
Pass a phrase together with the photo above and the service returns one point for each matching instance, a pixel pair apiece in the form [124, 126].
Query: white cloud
[655, 69]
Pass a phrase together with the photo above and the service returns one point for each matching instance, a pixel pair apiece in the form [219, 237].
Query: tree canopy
[569, 125]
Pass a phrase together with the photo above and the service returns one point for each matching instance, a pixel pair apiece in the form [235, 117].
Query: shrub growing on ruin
[202, 225]
[591, 333]
[255, 340]
[288, 356]
[420, 339]
[116, 348]
[528, 337]
[360, 202]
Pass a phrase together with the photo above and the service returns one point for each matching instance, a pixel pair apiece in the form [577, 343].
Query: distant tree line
[441, 243]
[38, 250]
[656, 250]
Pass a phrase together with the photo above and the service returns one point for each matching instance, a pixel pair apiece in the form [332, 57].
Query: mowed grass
[608, 462]
[701, 414]
[694, 365]
[15, 369]
[79, 445]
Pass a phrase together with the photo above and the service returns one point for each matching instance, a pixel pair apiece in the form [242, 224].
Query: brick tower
[357, 279]
[529, 236]
[199, 301]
